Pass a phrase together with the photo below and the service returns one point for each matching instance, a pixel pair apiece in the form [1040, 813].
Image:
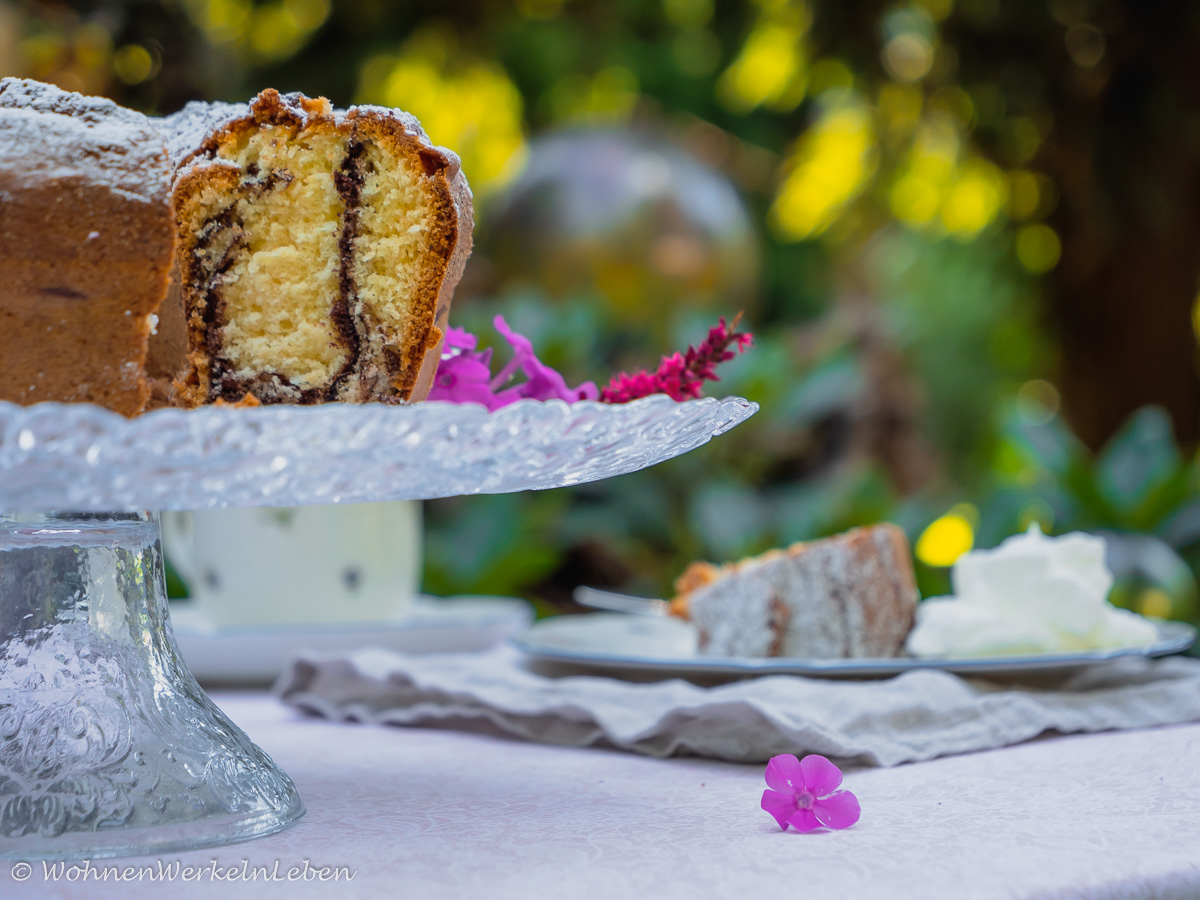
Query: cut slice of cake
[85, 246]
[318, 250]
[852, 595]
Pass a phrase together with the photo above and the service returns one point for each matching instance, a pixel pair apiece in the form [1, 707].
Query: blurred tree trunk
[1126, 155]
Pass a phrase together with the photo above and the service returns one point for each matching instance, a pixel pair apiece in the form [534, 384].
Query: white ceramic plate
[638, 645]
[257, 654]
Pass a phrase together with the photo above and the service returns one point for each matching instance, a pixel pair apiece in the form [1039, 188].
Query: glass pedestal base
[108, 747]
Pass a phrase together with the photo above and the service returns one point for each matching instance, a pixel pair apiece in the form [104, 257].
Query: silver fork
[614, 602]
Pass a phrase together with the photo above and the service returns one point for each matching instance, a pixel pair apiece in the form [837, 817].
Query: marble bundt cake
[318, 250]
[850, 595]
[85, 246]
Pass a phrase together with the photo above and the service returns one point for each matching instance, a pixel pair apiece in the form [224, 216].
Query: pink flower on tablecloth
[804, 794]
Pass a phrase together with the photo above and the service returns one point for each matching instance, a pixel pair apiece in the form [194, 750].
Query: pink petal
[781, 806]
[462, 379]
[785, 775]
[804, 820]
[821, 777]
[838, 810]
[542, 382]
[459, 338]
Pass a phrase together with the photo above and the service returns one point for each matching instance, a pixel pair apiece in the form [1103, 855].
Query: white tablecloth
[428, 814]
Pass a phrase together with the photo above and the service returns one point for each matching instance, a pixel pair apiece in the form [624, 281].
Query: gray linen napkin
[918, 715]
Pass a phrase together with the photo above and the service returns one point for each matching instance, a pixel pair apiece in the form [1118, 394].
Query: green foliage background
[903, 165]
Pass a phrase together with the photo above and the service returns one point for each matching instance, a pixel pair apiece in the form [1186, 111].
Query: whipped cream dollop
[1031, 594]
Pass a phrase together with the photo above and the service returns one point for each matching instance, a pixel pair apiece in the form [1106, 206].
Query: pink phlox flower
[803, 793]
[464, 374]
[681, 376]
[459, 339]
[541, 381]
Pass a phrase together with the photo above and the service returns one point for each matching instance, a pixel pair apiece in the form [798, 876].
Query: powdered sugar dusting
[48, 133]
[185, 131]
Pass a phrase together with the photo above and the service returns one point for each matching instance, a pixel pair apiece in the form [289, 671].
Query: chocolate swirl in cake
[319, 251]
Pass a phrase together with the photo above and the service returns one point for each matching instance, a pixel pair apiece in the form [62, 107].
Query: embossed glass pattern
[107, 744]
[81, 457]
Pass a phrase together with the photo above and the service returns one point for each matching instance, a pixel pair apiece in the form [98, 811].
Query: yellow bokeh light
[974, 198]
[945, 540]
[468, 105]
[1038, 248]
[830, 166]
[42, 51]
[267, 32]
[921, 187]
[916, 200]
[133, 64]
[93, 44]
[770, 70]
[222, 21]
[309, 14]
[936, 189]
[609, 96]
[1154, 602]
[275, 32]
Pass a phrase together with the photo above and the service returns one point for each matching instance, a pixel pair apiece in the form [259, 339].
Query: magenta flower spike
[803, 793]
[681, 376]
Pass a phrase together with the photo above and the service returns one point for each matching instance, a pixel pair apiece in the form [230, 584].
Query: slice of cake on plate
[318, 250]
[852, 595]
[85, 246]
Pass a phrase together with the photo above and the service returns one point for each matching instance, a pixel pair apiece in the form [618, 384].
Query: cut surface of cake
[85, 246]
[318, 250]
[851, 595]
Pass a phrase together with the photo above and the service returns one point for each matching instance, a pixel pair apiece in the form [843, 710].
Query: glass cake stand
[108, 747]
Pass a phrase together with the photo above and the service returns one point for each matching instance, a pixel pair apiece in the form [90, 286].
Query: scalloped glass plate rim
[87, 458]
[1174, 637]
